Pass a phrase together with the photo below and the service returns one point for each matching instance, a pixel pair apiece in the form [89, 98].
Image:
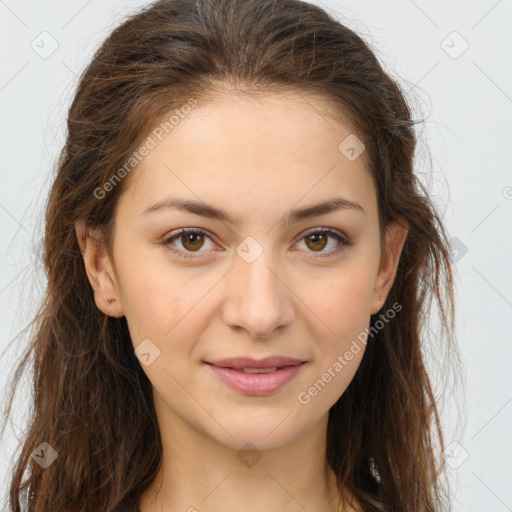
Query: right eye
[191, 239]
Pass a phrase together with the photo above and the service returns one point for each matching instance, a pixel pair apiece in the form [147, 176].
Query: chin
[265, 430]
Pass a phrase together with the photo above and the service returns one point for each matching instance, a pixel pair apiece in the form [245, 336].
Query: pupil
[313, 237]
[189, 239]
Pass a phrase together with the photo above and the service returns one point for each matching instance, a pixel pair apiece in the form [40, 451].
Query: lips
[256, 377]
[240, 363]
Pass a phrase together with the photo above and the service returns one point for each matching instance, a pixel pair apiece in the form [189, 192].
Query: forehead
[276, 147]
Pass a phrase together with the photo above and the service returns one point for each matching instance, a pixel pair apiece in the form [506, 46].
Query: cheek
[347, 317]
[151, 300]
[345, 309]
[155, 309]
[343, 306]
[345, 299]
[169, 307]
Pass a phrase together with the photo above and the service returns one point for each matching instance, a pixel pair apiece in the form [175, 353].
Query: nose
[257, 299]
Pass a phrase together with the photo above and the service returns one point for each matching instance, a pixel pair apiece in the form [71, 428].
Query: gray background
[452, 57]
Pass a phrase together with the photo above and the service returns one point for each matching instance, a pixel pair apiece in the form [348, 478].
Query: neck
[200, 474]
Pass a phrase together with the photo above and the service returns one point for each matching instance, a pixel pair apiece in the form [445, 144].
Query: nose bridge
[258, 277]
[258, 301]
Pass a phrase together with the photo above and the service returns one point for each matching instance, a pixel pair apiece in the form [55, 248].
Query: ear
[99, 270]
[396, 233]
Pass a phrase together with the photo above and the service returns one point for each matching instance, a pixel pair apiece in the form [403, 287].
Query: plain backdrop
[453, 60]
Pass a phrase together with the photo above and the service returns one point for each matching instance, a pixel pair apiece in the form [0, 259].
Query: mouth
[246, 363]
[257, 370]
[257, 381]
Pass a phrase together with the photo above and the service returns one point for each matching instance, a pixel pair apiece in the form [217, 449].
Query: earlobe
[98, 268]
[396, 234]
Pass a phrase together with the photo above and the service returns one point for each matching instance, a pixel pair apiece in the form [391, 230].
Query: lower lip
[256, 383]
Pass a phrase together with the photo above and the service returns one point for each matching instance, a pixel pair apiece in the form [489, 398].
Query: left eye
[192, 239]
[317, 239]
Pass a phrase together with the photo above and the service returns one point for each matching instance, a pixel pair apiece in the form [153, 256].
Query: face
[268, 277]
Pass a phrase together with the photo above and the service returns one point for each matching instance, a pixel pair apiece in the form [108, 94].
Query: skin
[258, 159]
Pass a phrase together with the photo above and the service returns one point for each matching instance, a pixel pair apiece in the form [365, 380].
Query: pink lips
[247, 362]
[256, 383]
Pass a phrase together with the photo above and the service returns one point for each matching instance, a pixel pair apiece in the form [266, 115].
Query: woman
[240, 261]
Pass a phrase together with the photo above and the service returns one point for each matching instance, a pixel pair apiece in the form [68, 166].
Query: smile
[256, 381]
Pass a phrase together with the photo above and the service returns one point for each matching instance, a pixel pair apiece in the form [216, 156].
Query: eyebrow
[206, 210]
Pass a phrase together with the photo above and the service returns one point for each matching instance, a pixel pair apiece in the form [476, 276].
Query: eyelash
[343, 241]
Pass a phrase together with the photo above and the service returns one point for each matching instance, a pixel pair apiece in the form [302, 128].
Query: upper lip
[247, 362]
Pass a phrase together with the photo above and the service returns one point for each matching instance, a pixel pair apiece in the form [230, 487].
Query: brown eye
[318, 241]
[192, 241]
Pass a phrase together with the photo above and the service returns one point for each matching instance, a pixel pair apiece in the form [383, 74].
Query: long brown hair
[92, 402]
